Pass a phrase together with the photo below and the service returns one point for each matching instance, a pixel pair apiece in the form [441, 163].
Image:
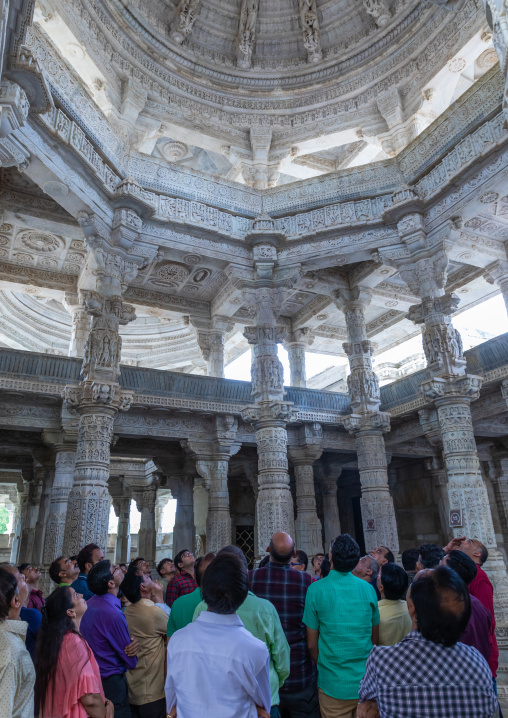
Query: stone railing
[45, 373]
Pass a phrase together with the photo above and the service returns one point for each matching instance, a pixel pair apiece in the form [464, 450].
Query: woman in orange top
[68, 681]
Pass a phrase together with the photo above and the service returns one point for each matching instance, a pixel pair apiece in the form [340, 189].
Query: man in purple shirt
[477, 633]
[105, 629]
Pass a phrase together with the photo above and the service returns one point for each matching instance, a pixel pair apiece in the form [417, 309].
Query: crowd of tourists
[346, 635]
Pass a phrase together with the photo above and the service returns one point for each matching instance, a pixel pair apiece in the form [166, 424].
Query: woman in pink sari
[68, 681]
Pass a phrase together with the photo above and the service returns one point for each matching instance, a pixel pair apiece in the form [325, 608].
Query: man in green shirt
[260, 618]
[183, 608]
[342, 619]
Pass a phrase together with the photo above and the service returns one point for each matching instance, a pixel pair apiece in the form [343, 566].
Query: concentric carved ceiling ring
[40, 242]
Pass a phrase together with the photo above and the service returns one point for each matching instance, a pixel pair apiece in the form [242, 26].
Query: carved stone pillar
[19, 507]
[331, 520]
[145, 499]
[122, 508]
[42, 517]
[109, 269]
[497, 273]
[80, 324]
[308, 529]
[296, 344]
[211, 337]
[367, 424]
[65, 459]
[498, 472]
[184, 531]
[440, 493]
[29, 513]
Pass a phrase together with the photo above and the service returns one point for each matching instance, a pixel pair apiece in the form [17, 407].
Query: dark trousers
[155, 709]
[301, 704]
[115, 690]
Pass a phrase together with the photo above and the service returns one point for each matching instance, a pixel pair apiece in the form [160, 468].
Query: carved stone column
[29, 513]
[497, 273]
[43, 515]
[184, 531]
[122, 508]
[368, 425]
[211, 337]
[498, 472]
[440, 492]
[110, 267]
[308, 529]
[145, 499]
[296, 344]
[65, 460]
[328, 475]
[80, 324]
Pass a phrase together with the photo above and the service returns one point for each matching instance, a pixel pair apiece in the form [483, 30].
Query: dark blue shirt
[80, 586]
[34, 619]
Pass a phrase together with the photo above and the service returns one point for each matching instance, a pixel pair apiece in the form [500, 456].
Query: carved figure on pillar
[310, 28]
[184, 19]
[247, 33]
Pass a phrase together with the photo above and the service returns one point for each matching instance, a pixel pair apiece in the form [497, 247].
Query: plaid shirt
[286, 589]
[179, 586]
[417, 677]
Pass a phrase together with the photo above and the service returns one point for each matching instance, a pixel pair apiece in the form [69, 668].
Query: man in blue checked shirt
[430, 673]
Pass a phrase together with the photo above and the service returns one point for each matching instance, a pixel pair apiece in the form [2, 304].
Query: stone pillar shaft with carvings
[184, 531]
[147, 537]
[308, 529]
[33, 491]
[296, 344]
[331, 520]
[123, 532]
[368, 425]
[65, 459]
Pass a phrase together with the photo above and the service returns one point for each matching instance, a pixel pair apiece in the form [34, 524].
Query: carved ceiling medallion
[174, 151]
[40, 242]
[170, 273]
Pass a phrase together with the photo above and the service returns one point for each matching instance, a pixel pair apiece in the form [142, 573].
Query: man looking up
[429, 673]
[301, 561]
[182, 610]
[147, 625]
[260, 618]
[167, 571]
[87, 557]
[32, 576]
[383, 555]
[409, 558]
[216, 668]
[104, 628]
[481, 588]
[342, 618]
[316, 564]
[395, 622]
[184, 582]
[63, 571]
[367, 569]
[477, 631]
[429, 556]
[286, 588]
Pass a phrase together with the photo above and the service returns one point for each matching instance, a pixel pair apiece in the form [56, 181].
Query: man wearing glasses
[184, 582]
[300, 561]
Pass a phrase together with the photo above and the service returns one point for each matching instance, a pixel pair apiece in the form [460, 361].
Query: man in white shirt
[216, 668]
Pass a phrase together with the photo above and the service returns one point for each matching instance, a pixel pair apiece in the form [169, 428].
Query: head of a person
[462, 564]
[236, 551]
[88, 557]
[383, 555]
[31, 573]
[63, 570]
[104, 577]
[325, 567]
[140, 565]
[184, 560]
[201, 565]
[264, 561]
[13, 593]
[316, 561]
[344, 553]
[281, 548]
[225, 584]
[62, 614]
[166, 568]
[409, 559]
[300, 561]
[123, 567]
[429, 556]
[438, 601]
[392, 582]
[475, 550]
[367, 569]
[136, 585]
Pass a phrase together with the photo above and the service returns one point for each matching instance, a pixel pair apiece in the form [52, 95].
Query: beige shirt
[17, 673]
[395, 622]
[148, 624]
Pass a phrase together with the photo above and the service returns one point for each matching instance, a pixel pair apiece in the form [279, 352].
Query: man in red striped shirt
[184, 582]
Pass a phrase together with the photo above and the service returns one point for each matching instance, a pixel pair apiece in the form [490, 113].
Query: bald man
[481, 588]
[286, 589]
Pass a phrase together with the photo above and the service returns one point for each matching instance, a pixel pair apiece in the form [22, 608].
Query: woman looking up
[68, 681]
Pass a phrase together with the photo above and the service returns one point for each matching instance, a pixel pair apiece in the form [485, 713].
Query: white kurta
[17, 674]
[217, 669]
